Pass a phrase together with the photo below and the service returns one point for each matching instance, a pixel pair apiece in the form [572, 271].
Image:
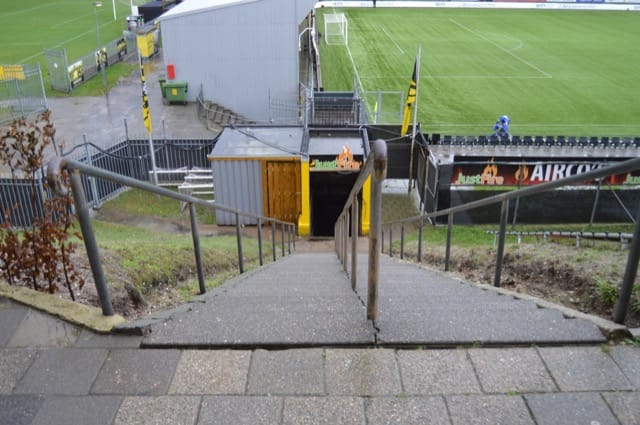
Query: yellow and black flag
[146, 113]
[411, 98]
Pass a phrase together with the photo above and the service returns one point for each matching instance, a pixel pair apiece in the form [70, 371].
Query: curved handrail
[375, 165]
[54, 176]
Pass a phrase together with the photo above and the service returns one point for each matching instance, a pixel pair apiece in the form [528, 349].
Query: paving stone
[437, 372]
[628, 360]
[174, 410]
[583, 369]
[234, 410]
[10, 319]
[323, 410]
[142, 372]
[211, 372]
[88, 410]
[570, 409]
[406, 411]
[510, 370]
[13, 364]
[297, 371]
[626, 406]
[19, 409]
[62, 371]
[362, 372]
[89, 339]
[488, 410]
[42, 330]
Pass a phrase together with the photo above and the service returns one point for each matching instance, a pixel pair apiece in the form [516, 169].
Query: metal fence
[128, 158]
[21, 91]
[65, 76]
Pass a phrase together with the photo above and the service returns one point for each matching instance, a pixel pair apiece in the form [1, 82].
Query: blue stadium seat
[538, 141]
[482, 140]
[549, 141]
[560, 141]
[527, 141]
[460, 140]
[593, 141]
[572, 141]
[615, 142]
[493, 140]
[472, 140]
[604, 142]
[636, 142]
[446, 140]
[583, 141]
[515, 141]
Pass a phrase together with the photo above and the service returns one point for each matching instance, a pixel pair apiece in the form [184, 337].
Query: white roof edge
[188, 7]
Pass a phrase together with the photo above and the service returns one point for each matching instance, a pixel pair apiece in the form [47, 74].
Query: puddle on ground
[42, 330]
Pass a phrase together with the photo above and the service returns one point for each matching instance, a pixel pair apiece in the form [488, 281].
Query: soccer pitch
[572, 73]
[29, 26]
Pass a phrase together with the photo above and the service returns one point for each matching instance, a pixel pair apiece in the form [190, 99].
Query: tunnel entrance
[329, 191]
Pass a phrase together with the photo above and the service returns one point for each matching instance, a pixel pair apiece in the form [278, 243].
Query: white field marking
[392, 40]
[61, 24]
[355, 69]
[19, 12]
[546, 74]
[62, 43]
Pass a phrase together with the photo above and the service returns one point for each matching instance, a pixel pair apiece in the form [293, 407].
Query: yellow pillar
[304, 221]
[365, 210]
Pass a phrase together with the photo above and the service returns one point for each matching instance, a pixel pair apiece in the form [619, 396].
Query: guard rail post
[354, 240]
[379, 174]
[622, 305]
[196, 247]
[54, 176]
[504, 212]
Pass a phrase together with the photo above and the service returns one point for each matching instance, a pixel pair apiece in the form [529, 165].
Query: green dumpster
[163, 82]
[176, 92]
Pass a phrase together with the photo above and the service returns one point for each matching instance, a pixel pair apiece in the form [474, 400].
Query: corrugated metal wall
[239, 186]
[243, 54]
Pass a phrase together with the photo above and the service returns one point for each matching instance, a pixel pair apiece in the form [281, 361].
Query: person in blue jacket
[501, 128]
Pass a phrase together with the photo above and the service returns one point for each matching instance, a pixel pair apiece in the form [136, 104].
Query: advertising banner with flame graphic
[506, 173]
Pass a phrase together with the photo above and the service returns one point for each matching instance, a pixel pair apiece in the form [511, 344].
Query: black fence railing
[129, 158]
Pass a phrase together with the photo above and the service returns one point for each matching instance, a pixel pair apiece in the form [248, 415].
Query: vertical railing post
[447, 255]
[402, 242]
[273, 240]
[239, 240]
[289, 237]
[379, 174]
[92, 180]
[504, 212]
[622, 305]
[196, 247]
[90, 242]
[345, 240]
[282, 238]
[420, 239]
[391, 240]
[354, 240]
[260, 241]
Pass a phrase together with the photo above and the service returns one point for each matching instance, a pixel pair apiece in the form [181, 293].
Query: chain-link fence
[64, 76]
[21, 92]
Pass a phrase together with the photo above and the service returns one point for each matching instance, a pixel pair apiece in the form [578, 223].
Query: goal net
[336, 29]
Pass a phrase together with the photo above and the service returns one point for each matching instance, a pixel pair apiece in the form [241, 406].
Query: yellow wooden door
[282, 194]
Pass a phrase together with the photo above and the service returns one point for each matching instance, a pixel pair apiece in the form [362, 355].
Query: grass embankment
[148, 256]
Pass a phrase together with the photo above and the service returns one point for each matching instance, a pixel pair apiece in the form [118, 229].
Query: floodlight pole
[96, 5]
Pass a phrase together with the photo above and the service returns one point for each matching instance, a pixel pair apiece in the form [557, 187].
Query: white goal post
[336, 29]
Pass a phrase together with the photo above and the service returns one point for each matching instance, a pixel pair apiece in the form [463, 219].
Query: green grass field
[27, 27]
[573, 73]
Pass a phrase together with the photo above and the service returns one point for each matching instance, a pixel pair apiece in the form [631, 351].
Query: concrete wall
[243, 54]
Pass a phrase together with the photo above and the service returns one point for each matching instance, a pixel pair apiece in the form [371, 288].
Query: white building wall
[243, 54]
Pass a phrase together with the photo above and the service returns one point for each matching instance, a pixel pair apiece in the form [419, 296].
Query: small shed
[258, 170]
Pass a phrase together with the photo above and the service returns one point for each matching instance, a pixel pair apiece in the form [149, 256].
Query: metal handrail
[622, 304]
[54, 176]
[347, 223]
